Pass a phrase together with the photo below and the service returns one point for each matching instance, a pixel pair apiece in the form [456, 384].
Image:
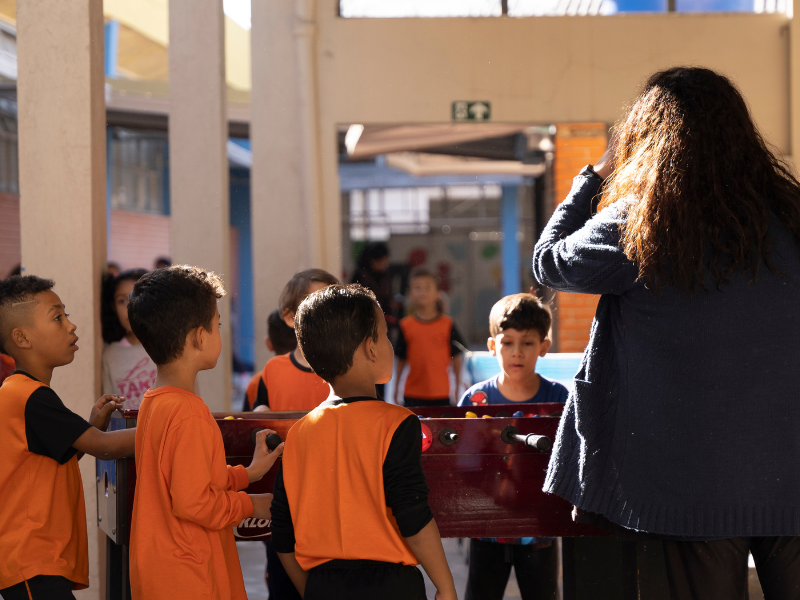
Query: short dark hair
[166, 304]
[331, 324]
[15, 290]
[280, 334]
[111, 328]
[422, 272]
[296, 289]
[522, 312]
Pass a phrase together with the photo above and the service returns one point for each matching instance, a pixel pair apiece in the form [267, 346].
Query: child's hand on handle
[101, 411]
[263, 459]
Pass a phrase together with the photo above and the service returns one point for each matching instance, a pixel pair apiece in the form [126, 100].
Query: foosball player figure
[519, 325]
[43, 539]
[187, 499]
[429, 343]
[288, 383]
[350, 516]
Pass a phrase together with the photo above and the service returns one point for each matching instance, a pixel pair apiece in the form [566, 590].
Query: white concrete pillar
[282, 240]
[62, 172]
[198, 134]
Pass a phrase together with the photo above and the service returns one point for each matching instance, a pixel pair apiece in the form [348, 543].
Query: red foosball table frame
[483, 483]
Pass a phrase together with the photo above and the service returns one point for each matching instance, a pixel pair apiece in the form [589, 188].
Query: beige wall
[547, 70]
[62, 164]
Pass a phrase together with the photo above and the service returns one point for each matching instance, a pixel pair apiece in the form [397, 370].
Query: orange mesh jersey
[429, 347]
[186, 503]
[333, 476]
[288, 385]
[42, 511]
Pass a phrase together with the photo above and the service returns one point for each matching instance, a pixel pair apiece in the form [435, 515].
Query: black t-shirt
[404, 486]
[50, 427]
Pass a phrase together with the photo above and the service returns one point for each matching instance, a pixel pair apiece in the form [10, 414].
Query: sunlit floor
[253, 558]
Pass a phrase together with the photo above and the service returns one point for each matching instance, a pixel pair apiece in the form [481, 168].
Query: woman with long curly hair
[684, 423]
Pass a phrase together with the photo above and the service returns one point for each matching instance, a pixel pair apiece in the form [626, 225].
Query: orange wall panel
[577, 145]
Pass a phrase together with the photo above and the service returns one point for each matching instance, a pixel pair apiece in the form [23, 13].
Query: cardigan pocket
[594, 426]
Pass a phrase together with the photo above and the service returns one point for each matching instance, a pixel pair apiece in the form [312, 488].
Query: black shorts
[364, 580]
[41, 587]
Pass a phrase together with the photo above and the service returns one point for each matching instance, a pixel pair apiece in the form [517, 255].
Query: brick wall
[137, 239]
[9, 233]
[577, 144]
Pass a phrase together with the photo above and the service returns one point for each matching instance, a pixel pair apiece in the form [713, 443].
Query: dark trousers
[718, 569]
[279, 584]
[41, 587]
[490, 565]
[364, 580]
[410, 402]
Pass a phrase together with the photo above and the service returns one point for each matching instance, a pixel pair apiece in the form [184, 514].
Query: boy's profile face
[212, 343]
[517, 351]
[384, 365]
[423, 292]
[48, 333]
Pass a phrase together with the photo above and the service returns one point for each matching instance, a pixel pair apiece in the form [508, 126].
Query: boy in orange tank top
[280, 340]
[350, 517]
[429, 343]
[288, 381]
[187, 499]
[43, 541]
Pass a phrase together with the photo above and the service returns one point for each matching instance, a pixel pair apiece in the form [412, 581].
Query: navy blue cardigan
[685, 416]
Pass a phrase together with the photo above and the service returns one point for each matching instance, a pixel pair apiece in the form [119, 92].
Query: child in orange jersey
[288, 381]
[350, 517]
[429, 343]
[44, 552]
[187, 498]
[280, 340]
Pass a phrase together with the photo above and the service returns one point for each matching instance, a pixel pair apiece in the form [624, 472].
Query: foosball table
[485, 466]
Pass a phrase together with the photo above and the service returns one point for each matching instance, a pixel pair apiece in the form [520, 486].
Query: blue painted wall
[240, 218]
[686, 5]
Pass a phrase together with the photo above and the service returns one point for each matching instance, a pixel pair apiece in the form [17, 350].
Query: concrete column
[794, 83]
[198, 135]
[281, 237]
[62, 170]
[509, 218]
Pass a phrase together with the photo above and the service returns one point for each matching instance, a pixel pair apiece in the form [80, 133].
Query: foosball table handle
[273, 439]
[511, 435]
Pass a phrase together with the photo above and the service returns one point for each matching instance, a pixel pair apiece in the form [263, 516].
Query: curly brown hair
[697, 182]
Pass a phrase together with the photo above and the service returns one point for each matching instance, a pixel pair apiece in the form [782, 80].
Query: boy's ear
[369, 349]
[19, 338]
[196, 338]
[288, 317]
[491, 345]
[544, 347]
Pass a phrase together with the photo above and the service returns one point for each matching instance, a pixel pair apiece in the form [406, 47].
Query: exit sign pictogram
[465, 110]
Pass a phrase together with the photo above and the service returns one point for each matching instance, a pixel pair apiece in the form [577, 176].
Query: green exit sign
[465, 110]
